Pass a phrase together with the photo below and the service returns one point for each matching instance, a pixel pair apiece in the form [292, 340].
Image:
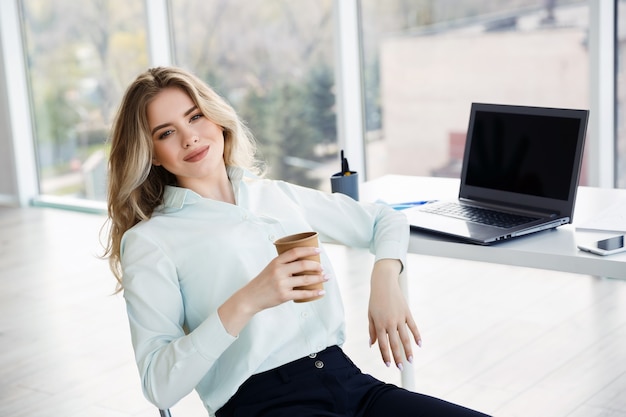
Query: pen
[409, 204]
[344, 165]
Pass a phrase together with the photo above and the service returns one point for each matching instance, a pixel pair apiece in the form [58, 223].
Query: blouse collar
[175, 198]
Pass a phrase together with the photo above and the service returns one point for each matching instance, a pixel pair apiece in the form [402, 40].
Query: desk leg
[407, 375]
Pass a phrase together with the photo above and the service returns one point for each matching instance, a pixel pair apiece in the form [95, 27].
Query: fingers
[414, 331]
[307, 287]
[300, 261]
[395, 343]
[397, 355]
[307, 295]
[299, 253]
[405, 341]
[304, 267]
[299, 282]
[300, 274]
[383, 346]
[372, 329]
[292, 288]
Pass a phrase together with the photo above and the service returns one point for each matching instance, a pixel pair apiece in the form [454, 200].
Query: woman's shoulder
[143, 226]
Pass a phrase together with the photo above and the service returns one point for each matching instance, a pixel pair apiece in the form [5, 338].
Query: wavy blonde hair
[135, 186]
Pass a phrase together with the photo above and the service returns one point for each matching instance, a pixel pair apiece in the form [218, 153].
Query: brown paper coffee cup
[302, 239]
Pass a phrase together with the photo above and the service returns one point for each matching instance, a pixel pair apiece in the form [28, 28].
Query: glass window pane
[273, 61]
[620, 157]
[427, 61]
[80, 58]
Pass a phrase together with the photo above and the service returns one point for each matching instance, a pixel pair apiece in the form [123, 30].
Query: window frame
[19, 113]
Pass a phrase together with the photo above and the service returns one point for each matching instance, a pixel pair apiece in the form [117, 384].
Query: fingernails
[322, 292]
[370, 342]
[388, 364]
[410, 359]
[326, 277]
[400, 367]
[318, 250]
[419, 343]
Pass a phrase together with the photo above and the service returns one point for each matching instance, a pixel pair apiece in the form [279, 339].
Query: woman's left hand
[390, 320]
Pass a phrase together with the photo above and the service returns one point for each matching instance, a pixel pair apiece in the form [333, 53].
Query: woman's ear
[156, 162]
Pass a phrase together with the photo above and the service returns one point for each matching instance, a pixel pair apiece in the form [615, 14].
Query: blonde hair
[135, 186]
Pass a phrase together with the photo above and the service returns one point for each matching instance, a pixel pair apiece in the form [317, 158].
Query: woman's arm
[340, 219]
[170, 362]
[385, 232]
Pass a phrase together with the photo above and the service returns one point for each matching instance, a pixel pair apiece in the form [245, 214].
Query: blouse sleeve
[170, 362]
[340, 219]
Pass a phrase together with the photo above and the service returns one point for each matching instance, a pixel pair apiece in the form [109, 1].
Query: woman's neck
[224, 192]
[215, 188]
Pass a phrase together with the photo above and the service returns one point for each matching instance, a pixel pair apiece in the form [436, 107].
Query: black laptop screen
[523, 153]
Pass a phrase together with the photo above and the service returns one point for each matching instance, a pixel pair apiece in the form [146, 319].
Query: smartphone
[605, 247]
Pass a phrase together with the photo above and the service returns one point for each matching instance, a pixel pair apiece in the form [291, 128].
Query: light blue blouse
[194, 253]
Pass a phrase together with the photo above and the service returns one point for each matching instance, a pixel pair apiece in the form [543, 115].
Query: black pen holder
[346, 183]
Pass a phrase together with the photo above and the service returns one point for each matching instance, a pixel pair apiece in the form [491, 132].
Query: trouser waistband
[328, 360]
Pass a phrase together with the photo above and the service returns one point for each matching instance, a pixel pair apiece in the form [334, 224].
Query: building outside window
[426, 61]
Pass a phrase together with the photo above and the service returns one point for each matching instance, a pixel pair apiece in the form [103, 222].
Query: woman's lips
[197, 155]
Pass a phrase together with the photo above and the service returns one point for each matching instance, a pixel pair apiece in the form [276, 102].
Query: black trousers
[329, 384]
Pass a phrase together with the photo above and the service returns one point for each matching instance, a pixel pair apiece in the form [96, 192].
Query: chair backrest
[165, 413]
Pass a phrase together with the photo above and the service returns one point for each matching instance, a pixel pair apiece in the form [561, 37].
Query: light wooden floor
[507, 341]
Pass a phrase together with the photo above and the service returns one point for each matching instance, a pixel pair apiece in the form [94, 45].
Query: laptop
[521, 167]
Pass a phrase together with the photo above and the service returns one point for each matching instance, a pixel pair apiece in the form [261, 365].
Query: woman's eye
[195, 117]
[165, 134]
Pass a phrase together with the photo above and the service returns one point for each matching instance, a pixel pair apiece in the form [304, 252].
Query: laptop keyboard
[477, 214]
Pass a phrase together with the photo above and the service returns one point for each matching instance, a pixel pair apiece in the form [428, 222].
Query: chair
[165, 413]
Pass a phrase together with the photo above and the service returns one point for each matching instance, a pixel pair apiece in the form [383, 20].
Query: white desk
[553, 249]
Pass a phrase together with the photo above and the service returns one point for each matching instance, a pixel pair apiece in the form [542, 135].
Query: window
[80, 58]
[425, 62]
[620, 152]
[273, 61]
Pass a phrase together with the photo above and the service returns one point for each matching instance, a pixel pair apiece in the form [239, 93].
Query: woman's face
[186, 143]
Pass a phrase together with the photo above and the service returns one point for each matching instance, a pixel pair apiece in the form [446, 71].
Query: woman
[209, 302]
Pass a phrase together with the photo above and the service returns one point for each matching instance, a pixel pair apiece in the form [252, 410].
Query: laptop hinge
[518, 209]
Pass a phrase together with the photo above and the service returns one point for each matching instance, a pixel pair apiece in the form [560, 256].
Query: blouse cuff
[211, 338]
[391, 250]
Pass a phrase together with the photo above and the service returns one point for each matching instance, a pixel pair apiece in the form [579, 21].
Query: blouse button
[313, 355]
[319, 364]
[271, 237]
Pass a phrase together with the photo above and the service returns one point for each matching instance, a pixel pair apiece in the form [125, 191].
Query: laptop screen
[524, 151]
[521, 153]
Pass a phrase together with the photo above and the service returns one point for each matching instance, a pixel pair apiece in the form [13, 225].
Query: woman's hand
[390, 320]
[275, 285]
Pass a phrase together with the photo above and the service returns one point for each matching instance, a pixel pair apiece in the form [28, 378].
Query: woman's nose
[190, 140]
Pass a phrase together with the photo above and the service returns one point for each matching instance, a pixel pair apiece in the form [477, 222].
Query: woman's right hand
[275, 285]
